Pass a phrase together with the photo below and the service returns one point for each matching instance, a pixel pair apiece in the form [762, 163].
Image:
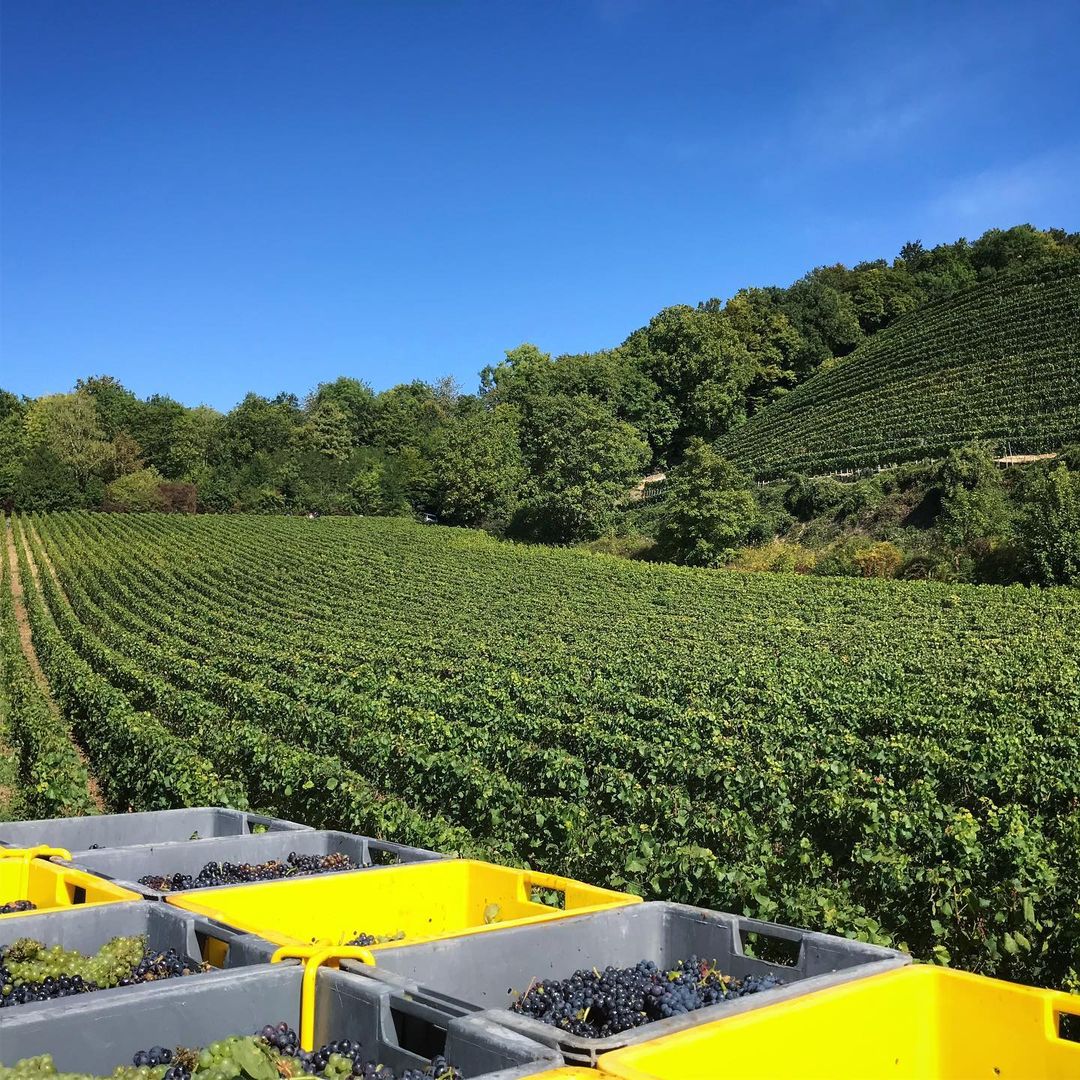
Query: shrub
[838, 559]
[927, 567]
[810, 497]
[881, 560]
[780, 556]
[179, 498]
[136, 491]
[627, 547]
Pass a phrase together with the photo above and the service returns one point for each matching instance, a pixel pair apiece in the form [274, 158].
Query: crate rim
[191, 900]
[146, 892]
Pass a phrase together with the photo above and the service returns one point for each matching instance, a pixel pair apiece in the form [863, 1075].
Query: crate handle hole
[773, 950]
[554, 898]
[417, 1035]
[379, 856]
[214, 950]
[1069, 1027]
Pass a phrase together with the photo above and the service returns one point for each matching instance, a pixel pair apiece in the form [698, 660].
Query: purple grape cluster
[13, 906]
[593, 1004]
[226, 873]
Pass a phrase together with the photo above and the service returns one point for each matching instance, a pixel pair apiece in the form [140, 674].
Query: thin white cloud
[875, 114]
[1032, 190]
[887, 99]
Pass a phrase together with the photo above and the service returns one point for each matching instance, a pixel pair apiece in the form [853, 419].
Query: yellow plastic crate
[415, 902]
[917, 1023]
[26, 874]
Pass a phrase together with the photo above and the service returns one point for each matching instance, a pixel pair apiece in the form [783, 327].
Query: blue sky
[206, 198]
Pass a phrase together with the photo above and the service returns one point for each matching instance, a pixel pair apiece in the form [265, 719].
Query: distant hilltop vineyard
[1000, 362]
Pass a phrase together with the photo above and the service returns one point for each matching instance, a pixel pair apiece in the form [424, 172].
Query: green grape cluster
[238, 1056]
[44, 1068]
[29, 961]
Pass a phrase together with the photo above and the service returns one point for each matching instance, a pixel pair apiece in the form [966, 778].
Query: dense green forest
[547, 449]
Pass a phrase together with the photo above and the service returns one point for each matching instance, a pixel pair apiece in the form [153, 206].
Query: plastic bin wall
[88, 1035]
[147, 827]
[88, 928]
[483, 971]
[48, 886]
[126, 865]
[913, 1024]
[419, 901]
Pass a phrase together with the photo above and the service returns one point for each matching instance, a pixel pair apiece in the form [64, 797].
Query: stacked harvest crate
[414, 957]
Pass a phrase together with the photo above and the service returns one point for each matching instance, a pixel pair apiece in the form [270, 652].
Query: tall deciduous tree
[118, 408]
[355, 399]
[126, 455]
[12, 445]
[67, 425]
[195, 437]
[259, 426]
[326, 430]
[405, 416]
[581, 460]
[772, 341]
[521, 376]
[157, 427]
[973, 503]
[1053, 534]
[701, 367]
[826, 320]
[710, 508]
[478, 467]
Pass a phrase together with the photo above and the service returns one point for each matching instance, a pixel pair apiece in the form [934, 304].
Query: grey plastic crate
[126, 865]
[147, 827]
[87, 1035]
[483, 971]
[88, 928]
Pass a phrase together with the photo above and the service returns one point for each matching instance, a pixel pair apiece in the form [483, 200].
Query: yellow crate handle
[313, 957]
[42, 851]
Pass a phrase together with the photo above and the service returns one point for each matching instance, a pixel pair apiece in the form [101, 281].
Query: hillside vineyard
[999, 362]
[895, 761]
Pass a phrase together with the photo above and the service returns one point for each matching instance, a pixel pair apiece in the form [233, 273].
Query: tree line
[544, 450]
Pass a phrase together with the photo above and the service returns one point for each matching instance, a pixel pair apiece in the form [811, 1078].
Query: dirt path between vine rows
[31, 559]
[26, 639]
[21, 619]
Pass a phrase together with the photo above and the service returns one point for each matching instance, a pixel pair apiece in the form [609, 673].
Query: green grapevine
[898, 762]
[1000, 362]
